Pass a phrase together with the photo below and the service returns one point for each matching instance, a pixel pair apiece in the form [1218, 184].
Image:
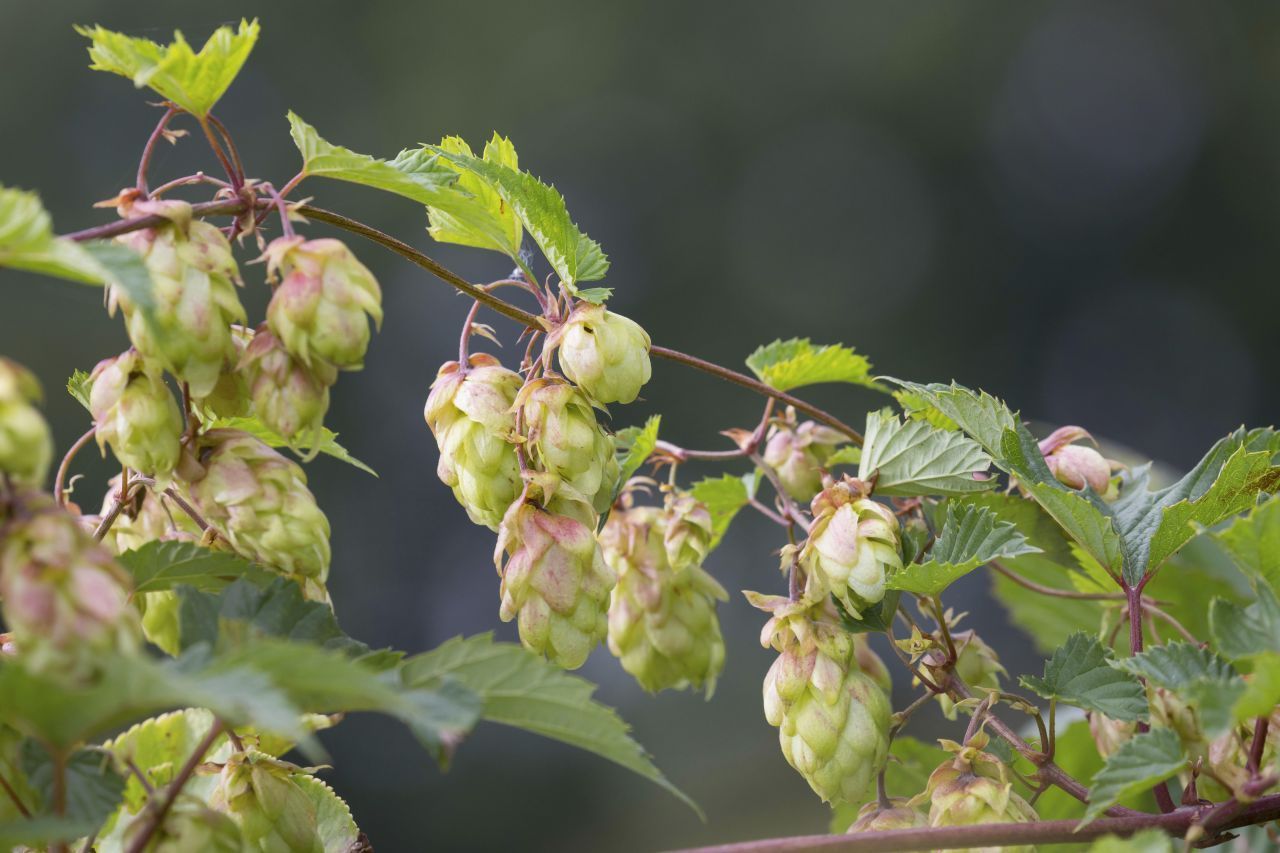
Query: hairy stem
[174, 788]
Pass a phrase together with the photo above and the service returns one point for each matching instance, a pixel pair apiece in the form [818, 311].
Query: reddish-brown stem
[231, 147]
[60, 478]
[232, 175]
[191, 511]
[768, 513]
[150, 148]
[13, 797]
[157, 815]
[464, 340]
[1051, 591]
[118, 503]
[1136, 607]
[1257, 745]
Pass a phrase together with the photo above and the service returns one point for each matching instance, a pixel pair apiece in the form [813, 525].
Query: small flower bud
[798, 453]
[136, 414]
[974, 788]
[289, 396]
[900, 815]
[604, 353]
[853, 543]
[1077, 465]
[26, 445]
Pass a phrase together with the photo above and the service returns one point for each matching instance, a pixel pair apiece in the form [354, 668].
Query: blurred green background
[1071, 205]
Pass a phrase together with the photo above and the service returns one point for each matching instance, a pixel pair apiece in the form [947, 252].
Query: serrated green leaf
[917, 408]
[79, 386]
[970, 537]
[1204, 680]
[1240, 632]
[634, 445]
[572, 254]
[159, 745]
[522, 690]
[915, 459]
[793, 363]
[1079, 674]
[335, 826]
[1141, 762]
[193, 81]
[483, 220]
[595, 295]
[1253, 541]
[979, 415]
[93, 788]
[161, 565]
[724, 496]
[328, 441]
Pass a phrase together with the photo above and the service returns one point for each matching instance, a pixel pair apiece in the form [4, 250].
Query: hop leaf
[792, 363]
[1146, 760]
[1079, 674]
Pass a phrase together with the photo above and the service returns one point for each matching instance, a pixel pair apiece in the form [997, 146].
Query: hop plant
[853, 544]
[470, 414]
[289, 396]
[605, 354]
[259, 502]
[565, 440]
[1108, 734]
[63, 596]
[799, 453]
[319, 306]
[900, 814]
[187, 330]
[555, 581]
[832, 718]
[662, 619]
[973, 788]
[687, 530]
[134, 412]
[1078, 465]
[1228, 756]
[977, 666]
[190, 825]
[230, 397]
[272, 812]
[26, 445]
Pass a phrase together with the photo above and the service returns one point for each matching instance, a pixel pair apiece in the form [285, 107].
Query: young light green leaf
[850, 454]
[328, 441]
[162, 565]
[484, 219]
[1079, 674]
[874, 619]
[724, 496]
[27, 241]
[1253, 541]
[979, 415]
[913, 459]
[971, 536]
[522, 690]
[1143, 761]
[193, 81]
[634, 445]
[1262, 692]
[917, 408]
[79, 386]
[1201, 678]
[1240, 632]
[92, 788]
[158, 745]
[793, 363]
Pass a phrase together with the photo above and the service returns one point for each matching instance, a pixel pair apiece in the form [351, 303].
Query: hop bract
[259, 502]
[853, 544]
[974, 788]
[319, 307]
[662, 619]
[470, 414]
[26, 445]
[687, 530]
[193, 278]
[900, 815]
[564, 439]
[273, 813]
[832, 718]
[289, 396]
[134, 411]
[798, 454]
[604, 353]
[555, 580]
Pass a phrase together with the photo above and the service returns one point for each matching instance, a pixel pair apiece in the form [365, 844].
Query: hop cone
[605, 354]
[289, 396]
[1078, 465]
[471, 418]
[62, 594]
[319, 307]
[662, 620]
[230, 397]
[1108, 734]
[976, 664]
[565, 440]
[26, 445]
[1229, 753]
[900, 815]
[194, 278]
[189, 826]
[798, 454]
[853, 543]
[555, 580]
[134, 411]
[272, 811]
[259, 502]
[687, 530]
[974, 788]
[832, 718]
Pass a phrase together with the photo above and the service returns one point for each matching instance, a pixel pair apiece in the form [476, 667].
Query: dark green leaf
[914, 459]
[1208, 683]
[93, 788]
[1141, 762]
[1079, 674]
[797, 362]
[161, 565]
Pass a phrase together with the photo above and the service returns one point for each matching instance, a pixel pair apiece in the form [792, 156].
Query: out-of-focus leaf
[1142, 761]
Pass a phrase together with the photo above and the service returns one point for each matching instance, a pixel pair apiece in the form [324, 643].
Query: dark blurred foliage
[1071, 205]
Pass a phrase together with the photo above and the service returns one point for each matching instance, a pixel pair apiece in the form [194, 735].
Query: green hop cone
[470, 414]
[319, 306]
[662, 619]
[899, 815]
[565, 440]
[799, 453]
[289, 396]
[555, 580]
[230, 397]
[977, 666]
[26, 445]
[687, 530]
[605, 354]
[974, 788]
[258, 501]
[1108, 734]
[62, 594]
[194, 279]
[832, 718]
[853, 544]
[189, 826]
[272, 811]
[135, 412]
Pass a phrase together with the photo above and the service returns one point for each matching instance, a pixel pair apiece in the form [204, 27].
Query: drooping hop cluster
[662, 619]
[258, 501]
[975, 787]
[470, 413]
[605, 354]
[1078, 465]
[799, 453]
[261, 796]
[289, 396]
[62, 595]
[832, 717]
[554, 581]
[26, 445]
[853, 545]
[976, 665]
[566, 441]
[899, 815]
[134, 412]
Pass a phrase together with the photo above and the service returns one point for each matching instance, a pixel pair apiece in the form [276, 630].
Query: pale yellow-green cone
[230, 397]
[319, 307]
[189, 826]
[470, 414]
[289, 396]
[258, 501]
[853, 545]
[976, 664]
[554, 580]
[605, 354]
[26, 445]
[274, 814]
[62, 594]
[1108, 734]
[662, 619]
[564, 439]
[832, 718]
[194, 279]
[687, 530]
[798, 454]
[974, 788]
[900, 815]
[135, 412]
